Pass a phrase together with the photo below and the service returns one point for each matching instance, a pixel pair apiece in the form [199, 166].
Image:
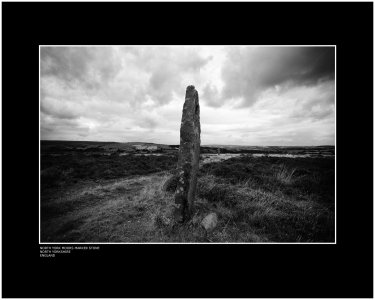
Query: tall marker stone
[188, 156]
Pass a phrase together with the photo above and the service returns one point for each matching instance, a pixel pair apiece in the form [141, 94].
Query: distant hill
[141, 146]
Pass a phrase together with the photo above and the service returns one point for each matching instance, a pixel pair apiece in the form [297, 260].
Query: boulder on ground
[209, 222]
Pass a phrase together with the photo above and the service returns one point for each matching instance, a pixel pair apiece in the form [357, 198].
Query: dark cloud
[58, 111]
[316, 106]
[123, 74]
[88, 66]
[61, 128]
[249, 71]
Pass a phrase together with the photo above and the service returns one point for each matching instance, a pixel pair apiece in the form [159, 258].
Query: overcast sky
[248, 95]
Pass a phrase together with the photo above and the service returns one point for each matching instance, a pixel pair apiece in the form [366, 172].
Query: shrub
[218, 193]
[285, 175]
[101, 166]
[170, 184]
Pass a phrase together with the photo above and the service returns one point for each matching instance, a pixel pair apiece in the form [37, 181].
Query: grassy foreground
[120, 199]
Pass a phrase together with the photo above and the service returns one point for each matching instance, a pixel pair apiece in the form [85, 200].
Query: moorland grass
[256, 199]
[67, 169]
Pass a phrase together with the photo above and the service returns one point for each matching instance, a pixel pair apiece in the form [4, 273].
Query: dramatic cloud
[248, 72]
[248, 95]
[91, 67]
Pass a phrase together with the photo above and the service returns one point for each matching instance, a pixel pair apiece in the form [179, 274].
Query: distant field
[112, 192]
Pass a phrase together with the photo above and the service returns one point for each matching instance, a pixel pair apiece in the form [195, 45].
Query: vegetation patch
[67, 169]
[99, 198]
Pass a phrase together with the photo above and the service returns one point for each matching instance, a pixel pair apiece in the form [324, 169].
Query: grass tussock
[285, 175]
[272, 216]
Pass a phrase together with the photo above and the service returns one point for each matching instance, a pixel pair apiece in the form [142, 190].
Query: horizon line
[90, 141]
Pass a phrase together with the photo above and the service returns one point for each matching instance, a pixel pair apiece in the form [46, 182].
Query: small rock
[210, 221]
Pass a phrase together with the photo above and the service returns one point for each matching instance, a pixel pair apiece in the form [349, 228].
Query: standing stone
[188, 156]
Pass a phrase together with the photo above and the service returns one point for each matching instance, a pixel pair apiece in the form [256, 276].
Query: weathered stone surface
[188, 156]
[209, 222]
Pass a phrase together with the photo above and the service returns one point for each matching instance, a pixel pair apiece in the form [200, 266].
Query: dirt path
[105, 211]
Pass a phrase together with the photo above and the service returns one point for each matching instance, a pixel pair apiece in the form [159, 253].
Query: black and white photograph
[187, 149]
[187, 144]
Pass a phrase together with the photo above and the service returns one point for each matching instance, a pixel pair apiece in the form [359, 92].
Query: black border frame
[341, 270]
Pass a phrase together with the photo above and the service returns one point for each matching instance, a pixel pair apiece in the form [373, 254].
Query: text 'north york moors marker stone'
[188, 156]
